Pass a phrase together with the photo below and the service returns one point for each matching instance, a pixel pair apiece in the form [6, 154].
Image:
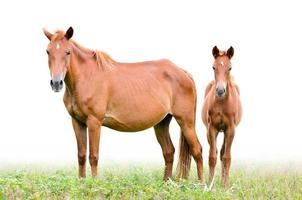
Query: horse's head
[59, 51]
[222, 67]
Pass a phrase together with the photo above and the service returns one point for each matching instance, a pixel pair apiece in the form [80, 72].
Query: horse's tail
[184, 161]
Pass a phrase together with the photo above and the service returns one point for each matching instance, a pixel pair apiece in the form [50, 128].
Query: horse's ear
[230, 52]
[215, 52]
[47, 34]
[69, 33]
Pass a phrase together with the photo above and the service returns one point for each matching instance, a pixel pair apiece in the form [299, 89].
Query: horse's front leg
[80, 130]
[94, 127]
[212, 136]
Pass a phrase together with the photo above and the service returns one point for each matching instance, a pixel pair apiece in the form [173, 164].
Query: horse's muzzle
[220, 92]
[56, 85]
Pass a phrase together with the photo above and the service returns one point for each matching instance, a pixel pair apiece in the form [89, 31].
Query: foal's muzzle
[220, 91]
[56, 84]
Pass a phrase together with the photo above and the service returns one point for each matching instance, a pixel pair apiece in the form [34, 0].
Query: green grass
[145, 182]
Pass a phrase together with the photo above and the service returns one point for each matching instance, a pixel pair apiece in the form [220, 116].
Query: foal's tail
[184, 161]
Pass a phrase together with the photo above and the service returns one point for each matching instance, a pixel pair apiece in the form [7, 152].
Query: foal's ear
[47, 34]
[230, 52]
[215, 52]
[69, 33]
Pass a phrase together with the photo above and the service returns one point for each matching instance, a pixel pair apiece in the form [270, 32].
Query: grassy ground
[145, 182]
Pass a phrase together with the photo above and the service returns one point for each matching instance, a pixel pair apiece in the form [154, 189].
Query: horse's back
[162, 70]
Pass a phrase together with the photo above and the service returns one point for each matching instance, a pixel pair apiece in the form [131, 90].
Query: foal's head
[59, 51]
[222, 67]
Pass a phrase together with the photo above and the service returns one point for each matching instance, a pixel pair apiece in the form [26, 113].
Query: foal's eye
[230, 68]
[47, 52]
[67, 52]
[213, 68]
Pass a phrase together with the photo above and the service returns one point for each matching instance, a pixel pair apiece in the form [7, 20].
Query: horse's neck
[82, 67]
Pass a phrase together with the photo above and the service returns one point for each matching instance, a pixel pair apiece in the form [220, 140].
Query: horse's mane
[81, 48]
[102, 59]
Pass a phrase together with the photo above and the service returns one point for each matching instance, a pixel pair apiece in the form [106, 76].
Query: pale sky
[266, 36]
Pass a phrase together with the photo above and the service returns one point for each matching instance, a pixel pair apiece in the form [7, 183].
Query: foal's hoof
[207, 188]
[204, 187]
[171, 182]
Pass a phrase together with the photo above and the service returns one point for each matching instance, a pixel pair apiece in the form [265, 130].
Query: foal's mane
[102, 59]
[222, 53]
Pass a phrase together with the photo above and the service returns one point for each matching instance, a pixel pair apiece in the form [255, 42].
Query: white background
[266, 36]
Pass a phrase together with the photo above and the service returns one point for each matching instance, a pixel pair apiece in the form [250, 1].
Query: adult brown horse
[221, 112]
[125, 97]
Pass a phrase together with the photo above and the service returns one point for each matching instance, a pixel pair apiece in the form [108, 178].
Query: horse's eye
[47, 52]
[213, 68]
[67, 52]
[230, 68]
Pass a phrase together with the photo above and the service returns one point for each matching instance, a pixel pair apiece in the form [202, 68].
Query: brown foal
[125, 97]
[221, 112]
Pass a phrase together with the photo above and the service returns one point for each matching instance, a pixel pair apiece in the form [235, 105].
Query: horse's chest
[78, 112]
[75, 110]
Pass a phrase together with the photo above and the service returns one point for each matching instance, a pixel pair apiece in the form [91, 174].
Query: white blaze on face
[57, 46]
[221, 63]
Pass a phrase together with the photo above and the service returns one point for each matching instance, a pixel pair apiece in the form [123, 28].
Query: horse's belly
[130, 126]
[135, 121]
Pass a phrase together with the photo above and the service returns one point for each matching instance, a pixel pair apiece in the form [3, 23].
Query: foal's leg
[212, 135]
[221, 155]
[94, 127]
[80, 130]
[163, 138]
[226, 158]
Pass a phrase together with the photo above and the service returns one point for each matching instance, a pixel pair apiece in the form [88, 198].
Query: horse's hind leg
[187, 125]
[163, 137]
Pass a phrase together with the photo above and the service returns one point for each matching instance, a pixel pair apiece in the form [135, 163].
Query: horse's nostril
[51, 82]
[61, 82]
[220, 91]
